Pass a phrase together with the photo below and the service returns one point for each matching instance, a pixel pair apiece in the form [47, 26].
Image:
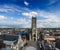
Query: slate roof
[9, 38]
[21, 33]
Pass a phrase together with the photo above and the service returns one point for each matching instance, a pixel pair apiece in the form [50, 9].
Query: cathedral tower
[34, 34]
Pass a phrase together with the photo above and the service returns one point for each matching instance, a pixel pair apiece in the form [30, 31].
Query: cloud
[26, 3]
[51, 20]
[30, 14]
[3, 10]
[24, 22]
[2, 17]
[11, 9]
[47, 24]
[10, 22]
[52, 2]
[6, 10]
[48, 15]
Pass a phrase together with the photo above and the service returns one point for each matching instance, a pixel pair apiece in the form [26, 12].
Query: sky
[18, 13]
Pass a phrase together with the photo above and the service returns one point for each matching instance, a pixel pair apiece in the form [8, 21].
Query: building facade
[34, 33]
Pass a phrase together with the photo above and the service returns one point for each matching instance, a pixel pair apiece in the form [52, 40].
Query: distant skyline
[18, 13]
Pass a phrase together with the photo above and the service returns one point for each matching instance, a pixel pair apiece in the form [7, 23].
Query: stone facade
[34, 34]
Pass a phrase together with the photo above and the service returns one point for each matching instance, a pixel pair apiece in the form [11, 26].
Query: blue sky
[18, 13]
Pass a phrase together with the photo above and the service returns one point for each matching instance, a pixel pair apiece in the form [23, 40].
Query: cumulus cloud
[10, 22]
[51, 20]
[48, 16]
[6, 21]
[24, 22]
[26, 3]
[47, 24]
[2, 17]
[30, 14]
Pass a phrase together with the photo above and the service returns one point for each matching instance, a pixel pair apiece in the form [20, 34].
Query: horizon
[18, 13]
